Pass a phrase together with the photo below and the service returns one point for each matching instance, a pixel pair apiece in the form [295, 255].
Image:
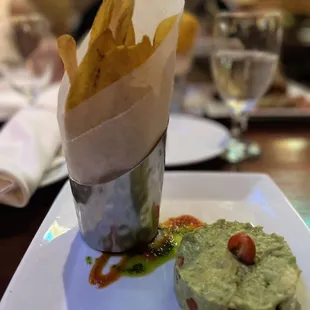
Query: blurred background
[75, 16]
[296, 42]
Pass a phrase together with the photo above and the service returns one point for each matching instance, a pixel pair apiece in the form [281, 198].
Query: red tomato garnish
[191, 304]
[243, 247]
[180, 261]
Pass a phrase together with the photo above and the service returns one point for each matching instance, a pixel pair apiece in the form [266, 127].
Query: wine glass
[28, 66]
[243, 66]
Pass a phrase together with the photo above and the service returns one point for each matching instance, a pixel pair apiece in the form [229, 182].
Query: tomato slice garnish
[191, 304]
[243, 248]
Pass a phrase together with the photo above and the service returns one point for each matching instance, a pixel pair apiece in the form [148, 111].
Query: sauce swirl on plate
[141, 262]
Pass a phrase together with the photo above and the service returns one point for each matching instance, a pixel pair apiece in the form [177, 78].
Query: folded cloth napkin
[10, 101]
[28, 144]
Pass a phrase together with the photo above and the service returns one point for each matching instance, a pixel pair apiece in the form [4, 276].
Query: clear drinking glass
[243, 66]
[31, 68]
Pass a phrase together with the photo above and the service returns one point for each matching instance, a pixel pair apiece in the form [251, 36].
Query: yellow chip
[94, 75]
[124, 22]
[112, 52]
[118, 10]
[120, 62]
[163, 29]
[131, 37]
[67, 52]
[96, 54]
[102, 20]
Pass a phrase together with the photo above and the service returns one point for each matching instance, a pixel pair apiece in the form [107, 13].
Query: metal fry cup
[124, 213]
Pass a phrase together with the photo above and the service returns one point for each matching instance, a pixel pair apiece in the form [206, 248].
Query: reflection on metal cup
[124, 213]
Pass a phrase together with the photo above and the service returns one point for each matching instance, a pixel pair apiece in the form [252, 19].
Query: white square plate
[53, 274]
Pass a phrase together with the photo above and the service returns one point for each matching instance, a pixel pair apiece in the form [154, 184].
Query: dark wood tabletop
[286, 158]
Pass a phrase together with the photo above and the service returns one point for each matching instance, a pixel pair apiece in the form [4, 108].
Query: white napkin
[10, 101]
[28, 144]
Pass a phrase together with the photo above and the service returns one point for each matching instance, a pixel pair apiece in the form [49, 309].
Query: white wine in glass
[243, 67]
[243, 76]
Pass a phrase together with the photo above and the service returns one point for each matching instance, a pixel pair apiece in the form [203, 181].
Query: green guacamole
[213, 279]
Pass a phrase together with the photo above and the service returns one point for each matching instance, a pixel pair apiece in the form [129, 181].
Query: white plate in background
[192, 139]
[53, 274]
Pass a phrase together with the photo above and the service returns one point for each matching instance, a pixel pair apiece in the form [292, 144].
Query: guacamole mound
[208, 276]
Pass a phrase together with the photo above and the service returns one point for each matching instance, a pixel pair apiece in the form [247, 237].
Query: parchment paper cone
[111, 133]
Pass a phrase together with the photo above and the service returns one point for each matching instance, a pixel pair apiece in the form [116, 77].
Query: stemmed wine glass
[31, 68]
[243, 66]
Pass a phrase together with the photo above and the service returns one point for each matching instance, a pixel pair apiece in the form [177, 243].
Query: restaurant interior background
[284, 139]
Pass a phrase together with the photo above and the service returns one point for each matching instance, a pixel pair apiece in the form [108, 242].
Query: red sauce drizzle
[101, 280]
[187, 221]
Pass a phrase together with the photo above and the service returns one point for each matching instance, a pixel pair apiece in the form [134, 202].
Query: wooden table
[286, 157]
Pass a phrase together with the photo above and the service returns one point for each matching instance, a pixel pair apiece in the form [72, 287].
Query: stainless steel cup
[119, 215]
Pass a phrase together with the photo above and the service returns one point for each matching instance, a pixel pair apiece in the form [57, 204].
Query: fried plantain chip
[96, 73]
[102, 20]
[124, 22]
[96, 53]
[119, 63]
[117, 16]
[163, 29]
[67, 52]
[112, 52]
[117, 12]
[130, 37]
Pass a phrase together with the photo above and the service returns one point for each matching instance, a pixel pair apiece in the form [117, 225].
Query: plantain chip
[112, 50]
[117, 12]
[120, 62]
[163, 29]
[102, 20]
[96, 73]
[124, 22]
[96, 54]
[67, 52]
[130, 37]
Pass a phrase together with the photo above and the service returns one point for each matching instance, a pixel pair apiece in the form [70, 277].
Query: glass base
[239, 151]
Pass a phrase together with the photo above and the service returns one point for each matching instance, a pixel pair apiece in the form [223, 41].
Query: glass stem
[239, 126]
